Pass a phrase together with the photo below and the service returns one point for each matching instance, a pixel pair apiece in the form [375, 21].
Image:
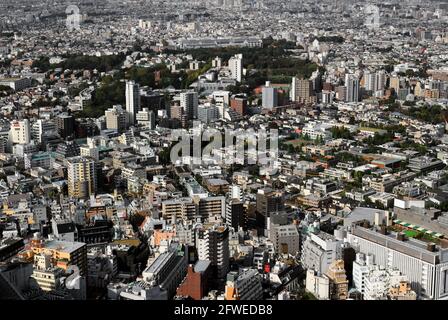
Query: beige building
[82, 180]
[116, 118]
[338, 281]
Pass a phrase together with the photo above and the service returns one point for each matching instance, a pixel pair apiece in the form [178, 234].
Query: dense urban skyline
[223, 150]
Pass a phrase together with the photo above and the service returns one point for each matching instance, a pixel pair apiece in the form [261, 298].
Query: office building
[116, 118]
[62, 253]
[352, 85]
[235, 217]
[132, 101]
[65, 125]
[424, 264]
[196, 283]
[243, 286]
[208, 114]
[269, 96]
[239, 105]
[20, 132]
[146, 118]
[189, 104]
[212, 243]
[82, 177]
[302, 90]
[285, 238]
[319, 250]
[168, 270]
[236, 67]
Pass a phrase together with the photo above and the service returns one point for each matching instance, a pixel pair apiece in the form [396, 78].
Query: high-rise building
[62, 253]
[207, 114]
[239, 105]
[168, 270]
[195, 284]
[352, 84]
[217, 62]
[269, 96]
[40, 128]
[116, 118]
[235, 217]
[394, 83]
[268, 201]
[338, 280]
[20, 131]
[285, 238]
[236, 67]
[302, 90]
[189, 104]
[66, 125]
[146, 118]
[212, 243]
[369, 81]
[426, 267]
[244, 286]
[132, 101]
[380, 80]
[82, 178]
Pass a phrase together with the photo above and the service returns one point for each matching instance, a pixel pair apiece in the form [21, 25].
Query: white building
[236, 67]
[318, 285]
[146, 118]
[425, 265]
[20, 132]
[132, 101]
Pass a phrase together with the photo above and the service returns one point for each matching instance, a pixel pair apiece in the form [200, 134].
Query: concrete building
[318, 285]
[132, 101]
[338, 280]
[168, 270]
[63, 253]
[82, 177]
[302, 90]
[236, 67]
[244, 286]
[212, 243]
[196, 283]
[352, 85]
[116, 118]
[146, 118]
[425, 265]
[20, 132]
[269, 96]
[285, 238]
[319, 251]
[189, 104]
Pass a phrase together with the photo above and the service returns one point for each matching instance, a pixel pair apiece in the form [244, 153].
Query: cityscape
[223, 150]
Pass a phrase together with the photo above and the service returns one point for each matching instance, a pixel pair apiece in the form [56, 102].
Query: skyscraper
[236, 67]
[301, 90]
[213, 245]
[66, 125]
[132, 101]
[270, 96]
[189, 103]
[82, 181]
[352, 84]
